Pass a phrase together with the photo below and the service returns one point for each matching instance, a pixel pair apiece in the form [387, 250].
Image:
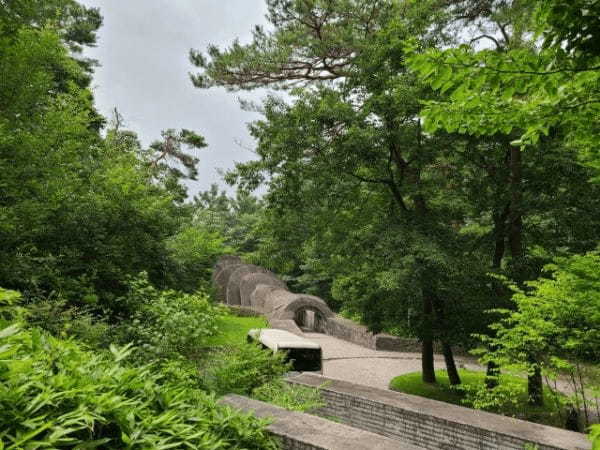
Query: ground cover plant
[510, 400]
[56, 393]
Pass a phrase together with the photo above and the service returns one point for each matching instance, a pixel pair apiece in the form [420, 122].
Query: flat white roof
[276, 339]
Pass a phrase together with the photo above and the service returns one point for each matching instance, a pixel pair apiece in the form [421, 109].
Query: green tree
[353, 137]
[533, 95]
[234, 218]
[365, 129]
[554, 327]
[79, 213]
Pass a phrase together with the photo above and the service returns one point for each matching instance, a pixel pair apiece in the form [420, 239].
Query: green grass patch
[411, 383]
[511, 396]
[234, 329]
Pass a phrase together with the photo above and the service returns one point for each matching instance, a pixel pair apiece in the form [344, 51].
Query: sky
[143, 50]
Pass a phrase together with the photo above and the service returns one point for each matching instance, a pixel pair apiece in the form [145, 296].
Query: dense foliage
[428, 161]
[55, 393]
[106, 347]
[80, 213]
[555, 327]
[424, 152]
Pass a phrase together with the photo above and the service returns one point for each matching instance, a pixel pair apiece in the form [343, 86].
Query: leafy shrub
[9, 309]
[193, 252]
[167, 324]
[54, 394]
[505, 398]
[242, 369]
[595, 436]
[60, 319]
[554, 328]
[289, 396]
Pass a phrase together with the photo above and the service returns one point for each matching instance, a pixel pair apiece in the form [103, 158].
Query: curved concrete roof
[232, 294]
[250, 281]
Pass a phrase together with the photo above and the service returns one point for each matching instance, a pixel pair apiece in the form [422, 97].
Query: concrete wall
[250, 286]
[431, 424]
[350, 331]
[299, 431]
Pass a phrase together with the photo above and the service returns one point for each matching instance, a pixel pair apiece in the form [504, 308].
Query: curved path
[350, 362]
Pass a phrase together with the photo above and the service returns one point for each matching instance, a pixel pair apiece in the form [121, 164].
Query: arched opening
[310, 319]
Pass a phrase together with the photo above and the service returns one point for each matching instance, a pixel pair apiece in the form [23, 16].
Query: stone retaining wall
[299, 431]
[431, 424]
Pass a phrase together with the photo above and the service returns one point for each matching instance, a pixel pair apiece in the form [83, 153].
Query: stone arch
[310, 319]
[301, 302]
[284, 306]
[250, 281]
[232, 294]
[222, 279]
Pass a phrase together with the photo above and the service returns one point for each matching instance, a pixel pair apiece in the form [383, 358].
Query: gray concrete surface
[343, 360]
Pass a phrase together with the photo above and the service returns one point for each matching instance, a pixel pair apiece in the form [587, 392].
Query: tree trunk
[493, 369]
[491, 375]
[442, 326]
[427, 363]
[515, 226]
[450, 364]
[535, 387]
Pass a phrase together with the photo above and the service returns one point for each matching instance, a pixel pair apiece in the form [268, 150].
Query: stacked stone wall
[299, 431]
[431, 424]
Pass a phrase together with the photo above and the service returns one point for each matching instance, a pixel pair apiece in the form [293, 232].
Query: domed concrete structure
[222, 279]
[250, 281]
[249, 285]
[259, 295]
[233, 284]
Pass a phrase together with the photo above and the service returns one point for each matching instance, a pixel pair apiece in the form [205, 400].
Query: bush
[167, 324]
[508, 398]
[54, 394]
[62, 320]
[193, 253]
[242, 369]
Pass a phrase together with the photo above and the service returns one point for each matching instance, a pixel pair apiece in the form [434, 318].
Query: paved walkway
[350, 362]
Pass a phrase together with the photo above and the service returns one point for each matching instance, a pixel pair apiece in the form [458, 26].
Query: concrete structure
[250, 281]
[251, 286]
[254, 287]
[432, 424]
[221, 278]
[232, 293]
[298, 431]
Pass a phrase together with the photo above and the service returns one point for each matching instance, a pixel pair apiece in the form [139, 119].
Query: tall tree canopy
[79, 212]
[375, 208]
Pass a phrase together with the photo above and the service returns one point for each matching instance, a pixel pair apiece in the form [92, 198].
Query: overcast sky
[143, 51]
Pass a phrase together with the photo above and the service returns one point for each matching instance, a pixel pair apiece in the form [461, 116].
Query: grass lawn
[233, 330]
[411, 383]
